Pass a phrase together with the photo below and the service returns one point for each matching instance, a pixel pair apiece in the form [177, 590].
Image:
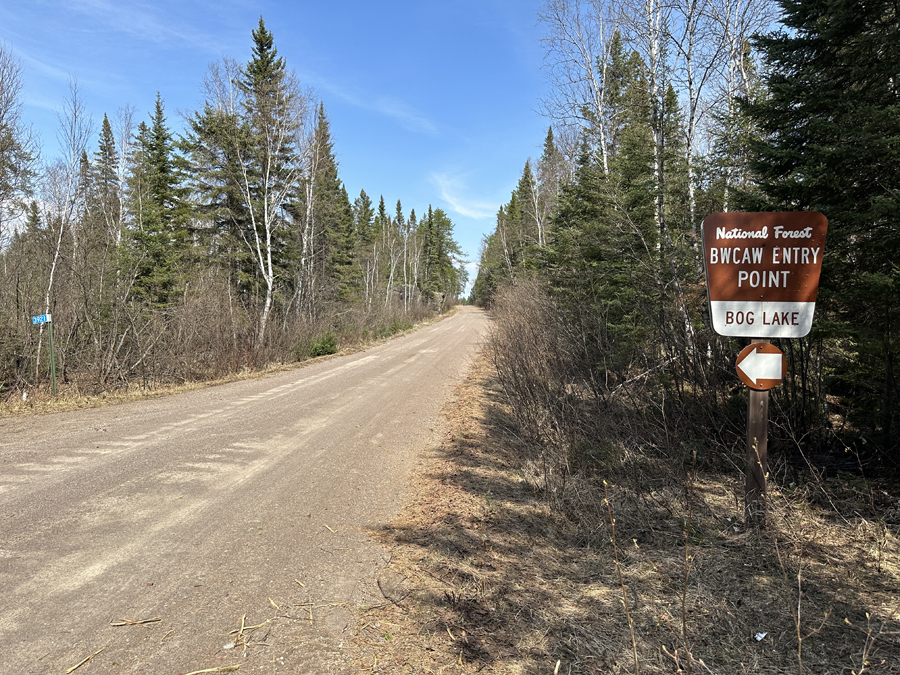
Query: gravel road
[245, 504]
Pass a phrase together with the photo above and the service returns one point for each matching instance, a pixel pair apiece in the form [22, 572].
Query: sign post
[762, 277]
[757, 456]
[48, 319]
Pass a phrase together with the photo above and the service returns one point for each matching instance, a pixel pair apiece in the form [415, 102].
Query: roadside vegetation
[169, 258]
[638, 555]
[594, 521]
[600, 238]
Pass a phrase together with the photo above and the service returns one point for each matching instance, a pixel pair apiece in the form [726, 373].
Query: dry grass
[69, 397]
[488, 579]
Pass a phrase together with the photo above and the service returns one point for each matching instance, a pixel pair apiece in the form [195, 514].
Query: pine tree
[831, 143]
[527, 195]
[246, 162]
[329, 226]
[106, 162]
[104, 186]
[363, 216]
[600, 264]
[365, 252]
[551, 178]
[264, 73]
[441, 278]
[341, 252]
[159, 210]
[382, 220]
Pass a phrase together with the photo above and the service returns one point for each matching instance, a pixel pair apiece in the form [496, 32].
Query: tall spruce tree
[831, 143]
[106, 198]
[600, 263]
[441, 277]
[363, 216]
[106, 176]
[334, 218]
[247, 164]
[159, 210]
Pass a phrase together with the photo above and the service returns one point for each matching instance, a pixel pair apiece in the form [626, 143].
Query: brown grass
[69, 397]
[489, 579]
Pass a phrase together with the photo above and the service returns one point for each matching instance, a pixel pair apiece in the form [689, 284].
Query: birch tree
[579, 42]
[246, 146]
[62, 191]
[736, 21]
[697, 56]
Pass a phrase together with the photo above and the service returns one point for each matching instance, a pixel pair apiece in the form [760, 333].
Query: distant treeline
[165, 257]
[662, 116]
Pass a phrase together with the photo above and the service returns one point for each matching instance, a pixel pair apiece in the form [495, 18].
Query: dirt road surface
[233, 520]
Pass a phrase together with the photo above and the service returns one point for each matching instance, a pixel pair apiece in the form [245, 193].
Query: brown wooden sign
[761, 366]
[762, 271]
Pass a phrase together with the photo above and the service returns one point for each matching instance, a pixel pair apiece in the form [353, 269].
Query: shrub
[324, 344]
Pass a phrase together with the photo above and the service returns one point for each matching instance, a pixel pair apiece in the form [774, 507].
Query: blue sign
[42, 318]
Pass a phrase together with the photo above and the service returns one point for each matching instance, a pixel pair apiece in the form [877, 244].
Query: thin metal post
[52, 358]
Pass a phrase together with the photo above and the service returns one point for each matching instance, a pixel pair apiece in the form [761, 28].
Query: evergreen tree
[341, 259]
[441, 278]
[399, 219]
[527, 196]
[330, 226]
[551, 178]
[105, 188]
[490, 271]
[106, 163]
[159, 208]
[632, 164]
[363, 217]
[365, 255]
[244, 151]
[599, 261]
[382, 220]
[831, 143]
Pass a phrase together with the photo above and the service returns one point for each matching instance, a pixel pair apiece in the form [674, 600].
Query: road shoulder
[463, 556]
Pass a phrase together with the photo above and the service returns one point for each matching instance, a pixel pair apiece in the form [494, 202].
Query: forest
[663, 113]
[581, 509]
[167, 258]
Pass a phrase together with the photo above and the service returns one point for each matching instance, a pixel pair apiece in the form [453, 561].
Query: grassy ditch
[641, 567]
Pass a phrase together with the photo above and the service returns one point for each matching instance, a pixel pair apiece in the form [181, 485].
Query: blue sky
[430, 102]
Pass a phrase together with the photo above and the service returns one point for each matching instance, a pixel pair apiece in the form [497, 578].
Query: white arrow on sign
[759, 366]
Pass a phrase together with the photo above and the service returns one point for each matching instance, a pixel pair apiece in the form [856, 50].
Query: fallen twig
[220, 669]
[76, 667]
[243, 627]
[128, 622]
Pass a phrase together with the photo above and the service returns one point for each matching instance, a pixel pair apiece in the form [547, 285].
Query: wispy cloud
[408, 117]
[453, 189]
[397, 109]
[147, 21]
[44, 68]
